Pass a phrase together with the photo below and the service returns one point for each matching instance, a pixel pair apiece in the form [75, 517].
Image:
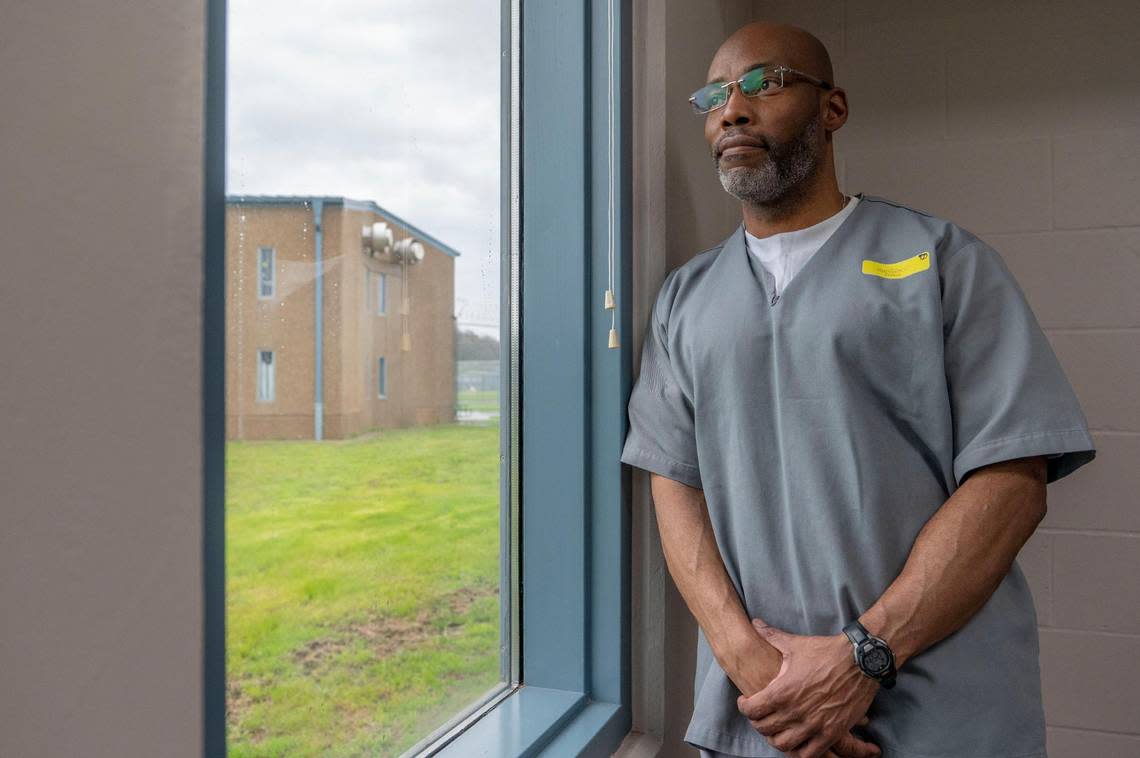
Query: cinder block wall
[1021, 121]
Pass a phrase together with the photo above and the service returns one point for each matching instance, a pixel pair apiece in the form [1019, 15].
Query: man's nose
[735, 111]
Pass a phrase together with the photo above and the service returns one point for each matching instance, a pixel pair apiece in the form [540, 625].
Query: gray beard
[781, 173]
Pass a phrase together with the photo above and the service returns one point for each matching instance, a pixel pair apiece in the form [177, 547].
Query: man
[850, 414]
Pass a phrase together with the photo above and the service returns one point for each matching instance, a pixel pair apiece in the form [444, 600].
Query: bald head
[763, 41]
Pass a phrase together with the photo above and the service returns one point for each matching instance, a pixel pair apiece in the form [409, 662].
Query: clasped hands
[817, 696]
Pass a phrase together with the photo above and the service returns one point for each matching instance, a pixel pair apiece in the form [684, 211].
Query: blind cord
[610, 301]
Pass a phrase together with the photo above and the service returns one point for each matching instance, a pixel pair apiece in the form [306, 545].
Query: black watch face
[876, 660]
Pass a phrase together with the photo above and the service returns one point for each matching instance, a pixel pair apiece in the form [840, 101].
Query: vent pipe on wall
[318, 394]
[376, 239]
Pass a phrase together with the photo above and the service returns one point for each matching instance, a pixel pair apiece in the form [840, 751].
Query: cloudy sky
[394, 101]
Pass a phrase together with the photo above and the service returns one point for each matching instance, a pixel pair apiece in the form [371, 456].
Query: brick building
[379, 364]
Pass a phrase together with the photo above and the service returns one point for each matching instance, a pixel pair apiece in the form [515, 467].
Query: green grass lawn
[362, 604]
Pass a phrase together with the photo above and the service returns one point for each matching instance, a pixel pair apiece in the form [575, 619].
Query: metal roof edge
[349, 204]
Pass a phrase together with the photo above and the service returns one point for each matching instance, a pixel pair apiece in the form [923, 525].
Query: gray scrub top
[828, 424]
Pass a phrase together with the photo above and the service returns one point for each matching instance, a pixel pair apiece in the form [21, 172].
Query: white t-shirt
[784, 254]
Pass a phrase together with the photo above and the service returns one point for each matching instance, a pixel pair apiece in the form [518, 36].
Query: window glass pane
[265, 375]
[365, 600]
[266, 271]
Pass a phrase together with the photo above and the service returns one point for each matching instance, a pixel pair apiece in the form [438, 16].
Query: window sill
[533, 718]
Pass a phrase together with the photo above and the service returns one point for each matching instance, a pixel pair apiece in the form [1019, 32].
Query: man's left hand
[818, 694]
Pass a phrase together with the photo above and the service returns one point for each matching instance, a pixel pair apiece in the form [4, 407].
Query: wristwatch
[872, 654]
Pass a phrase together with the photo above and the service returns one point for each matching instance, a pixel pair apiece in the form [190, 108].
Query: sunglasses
[759, 82]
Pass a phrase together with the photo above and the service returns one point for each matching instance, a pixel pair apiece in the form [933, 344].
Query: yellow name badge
[899, 269]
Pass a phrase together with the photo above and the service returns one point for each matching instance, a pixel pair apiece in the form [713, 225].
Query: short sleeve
[1009, 396]
[662, 435]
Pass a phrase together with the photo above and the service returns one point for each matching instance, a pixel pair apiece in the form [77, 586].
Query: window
[265, 376]
[339, 662]
[266, 272]
[459, 546]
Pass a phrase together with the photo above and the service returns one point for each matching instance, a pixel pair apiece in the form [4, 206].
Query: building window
[381, 294]
[265, 371]
[382, 377]
[266, 273]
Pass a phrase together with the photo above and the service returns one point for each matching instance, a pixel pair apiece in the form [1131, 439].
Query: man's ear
[835, 109]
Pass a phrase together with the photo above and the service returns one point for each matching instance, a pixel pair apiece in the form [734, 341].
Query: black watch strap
[856, 632]
[859, 637]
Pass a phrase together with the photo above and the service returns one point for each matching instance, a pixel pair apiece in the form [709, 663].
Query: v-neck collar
[736, 247]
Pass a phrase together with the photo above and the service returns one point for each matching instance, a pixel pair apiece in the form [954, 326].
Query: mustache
[756, 138]
[717, 156]
[717, 150]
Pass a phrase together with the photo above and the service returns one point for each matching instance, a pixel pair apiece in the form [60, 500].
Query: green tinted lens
[759, 80]
[708, 97]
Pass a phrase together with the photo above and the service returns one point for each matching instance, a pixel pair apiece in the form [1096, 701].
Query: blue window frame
[568, 392]
[381, 293]
[382, 377]
[214, 387]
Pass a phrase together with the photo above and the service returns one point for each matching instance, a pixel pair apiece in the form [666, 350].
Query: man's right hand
[850, 746]
[697, 568]
[753, 667]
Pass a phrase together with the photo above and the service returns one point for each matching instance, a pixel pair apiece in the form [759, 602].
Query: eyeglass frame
[780, 69]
